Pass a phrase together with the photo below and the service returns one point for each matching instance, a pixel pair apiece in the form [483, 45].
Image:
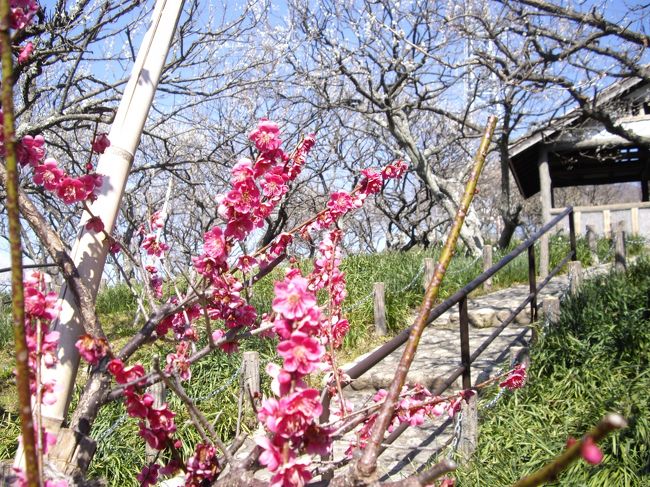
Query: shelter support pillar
[546, 200]
[645, 175]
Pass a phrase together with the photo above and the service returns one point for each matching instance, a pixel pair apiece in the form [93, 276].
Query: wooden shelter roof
[581, 151]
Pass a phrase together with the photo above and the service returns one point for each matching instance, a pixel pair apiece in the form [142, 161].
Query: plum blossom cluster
[327, 275]
[155, 250]
[156, 424]
[40, 309]
[30, 152]
[258, 186]
[21, 15]
[292, 418]
[47, 173]
[302, 326]
[416, 403]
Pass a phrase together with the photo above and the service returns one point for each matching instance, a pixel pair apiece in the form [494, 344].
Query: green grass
[593, 361]
[121, 451]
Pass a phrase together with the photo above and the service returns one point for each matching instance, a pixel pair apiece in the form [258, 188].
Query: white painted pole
[90, 250]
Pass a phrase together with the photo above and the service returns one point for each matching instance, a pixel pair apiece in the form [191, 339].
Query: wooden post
[380, 309]
[532, 283]
[157, 390]
[429, 267]
[487, 263]
[551, 309]
[545, 196]
[251, 377]
[607, 223]
[634, 220]
[577, 219]
[469, 430]
[620, 263]
[592, 242]
[575, 277]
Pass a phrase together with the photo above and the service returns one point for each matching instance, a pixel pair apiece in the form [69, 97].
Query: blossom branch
[17, 296]
[200, 420]
[367, 464]
[609, 423]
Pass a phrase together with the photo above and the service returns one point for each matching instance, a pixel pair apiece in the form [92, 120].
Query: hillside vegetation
[215, 381]
[593, 361]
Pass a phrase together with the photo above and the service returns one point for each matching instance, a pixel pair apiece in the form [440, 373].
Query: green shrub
[593, 361]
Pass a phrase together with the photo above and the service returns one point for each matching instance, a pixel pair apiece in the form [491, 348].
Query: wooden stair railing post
[379, 292]
[464, 343]
[487, 263]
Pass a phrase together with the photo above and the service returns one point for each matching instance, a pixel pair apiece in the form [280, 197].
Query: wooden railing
[604, 219]
[467, 357]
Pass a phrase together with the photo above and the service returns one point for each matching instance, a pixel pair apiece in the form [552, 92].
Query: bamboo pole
[17, 292]
[90, 249]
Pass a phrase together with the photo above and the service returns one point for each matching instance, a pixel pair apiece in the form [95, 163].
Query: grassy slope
[595, 360]
[119, 447]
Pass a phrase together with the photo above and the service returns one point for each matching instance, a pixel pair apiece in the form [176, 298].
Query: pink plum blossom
[153, 246]
[95, 224]
[48, 174]
[292, 298]
[72, 190]
[148, 475]
[266, 136]
[590, 451]
[100, 143]
[30, 150]
[516, 378]
[91, 349]
[301, 353]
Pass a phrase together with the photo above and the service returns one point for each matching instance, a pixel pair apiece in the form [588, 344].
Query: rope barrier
[122, 419]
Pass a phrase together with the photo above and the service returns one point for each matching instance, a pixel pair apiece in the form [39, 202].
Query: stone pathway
[438, 355]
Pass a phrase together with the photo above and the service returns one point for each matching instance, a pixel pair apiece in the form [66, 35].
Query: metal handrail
[460, 297]
[390, 346]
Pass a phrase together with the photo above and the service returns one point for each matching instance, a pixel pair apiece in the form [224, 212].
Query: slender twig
[367, 464]
[427, 477]
[29, 266]
[200, 420]
[550, 472]
[17, 295]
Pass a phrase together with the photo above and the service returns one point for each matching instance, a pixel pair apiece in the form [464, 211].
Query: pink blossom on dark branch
[266, 136]
[95, 224]
[202, 467]
[115, 248]
[148, 475]
[100, 143]
[302, 354]
[48, 174]
[25, 53]
[590, 451]
[153, 246]
[214, 245]
[516, 378]
[72, 190]
[30, 150]
[292, 298]
[91, 349]
[228, 347]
